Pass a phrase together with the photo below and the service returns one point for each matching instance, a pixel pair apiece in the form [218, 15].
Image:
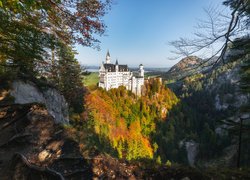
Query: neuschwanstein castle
[115, 75]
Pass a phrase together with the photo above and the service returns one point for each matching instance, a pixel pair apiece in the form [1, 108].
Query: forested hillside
[209, 100]
[126, 122]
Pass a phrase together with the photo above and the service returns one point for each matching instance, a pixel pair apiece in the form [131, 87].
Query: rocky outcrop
[28, 92]
[192, 151]
[227, 89]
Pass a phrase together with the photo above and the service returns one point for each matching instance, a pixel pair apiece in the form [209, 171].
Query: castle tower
[141, 70]
[116, 66]
[108, 60]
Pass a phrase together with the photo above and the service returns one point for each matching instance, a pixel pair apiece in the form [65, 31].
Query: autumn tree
[30, 30]
[127, 122]
[37, 36]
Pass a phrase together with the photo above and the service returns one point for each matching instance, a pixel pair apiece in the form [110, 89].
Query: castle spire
[116, 66]
[108, 61]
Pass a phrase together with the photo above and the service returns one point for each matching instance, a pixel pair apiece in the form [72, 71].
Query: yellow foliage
[127, 122]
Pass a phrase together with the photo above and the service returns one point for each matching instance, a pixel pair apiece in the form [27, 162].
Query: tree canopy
[30, 29]
[37, 39]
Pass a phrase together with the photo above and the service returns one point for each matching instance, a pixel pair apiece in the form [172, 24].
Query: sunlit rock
[44, 155]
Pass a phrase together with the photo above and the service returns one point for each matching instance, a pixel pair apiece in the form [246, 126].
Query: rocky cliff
[28, 92]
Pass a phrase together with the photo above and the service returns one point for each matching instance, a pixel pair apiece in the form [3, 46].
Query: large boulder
[28, 92]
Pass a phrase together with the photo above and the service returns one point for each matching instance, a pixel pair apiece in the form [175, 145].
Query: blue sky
[138, 31]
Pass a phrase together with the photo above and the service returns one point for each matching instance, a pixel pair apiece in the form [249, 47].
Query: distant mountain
[186, 63]
[190, 65]
[184, 68]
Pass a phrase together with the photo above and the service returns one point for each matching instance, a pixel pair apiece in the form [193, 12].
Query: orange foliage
[126, 121]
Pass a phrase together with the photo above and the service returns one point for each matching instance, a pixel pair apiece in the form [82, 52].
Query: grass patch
[91, 79]
[170, 81]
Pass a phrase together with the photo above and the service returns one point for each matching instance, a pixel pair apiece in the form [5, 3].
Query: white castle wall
[108, 80]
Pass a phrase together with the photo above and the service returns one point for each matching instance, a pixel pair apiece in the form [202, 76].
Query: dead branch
[214, 31]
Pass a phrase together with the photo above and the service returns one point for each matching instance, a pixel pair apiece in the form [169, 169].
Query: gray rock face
[192, 151]
[231, 95]
[27, 92]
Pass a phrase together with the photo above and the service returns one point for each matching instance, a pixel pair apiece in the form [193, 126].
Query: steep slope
[207, 98]
[33, 143]
[34, 146]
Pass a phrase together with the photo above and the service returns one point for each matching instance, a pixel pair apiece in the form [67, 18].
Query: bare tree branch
[216, 29]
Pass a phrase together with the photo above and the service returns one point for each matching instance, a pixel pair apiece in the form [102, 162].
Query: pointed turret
[108, 61]
[116, 65]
